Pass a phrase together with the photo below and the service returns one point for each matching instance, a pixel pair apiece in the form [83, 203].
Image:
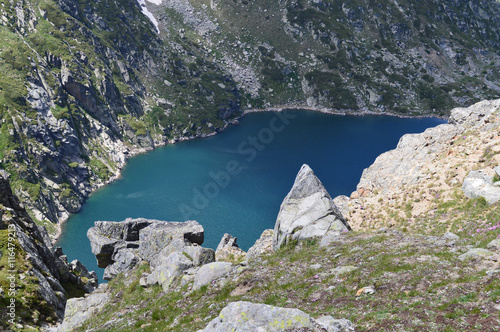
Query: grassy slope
[418, 280]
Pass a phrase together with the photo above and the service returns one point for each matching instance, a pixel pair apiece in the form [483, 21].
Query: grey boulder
[199, 255]
[450, 236]
[210, 272]
[159, 235]
[78, 310]
[263, 245]
[480, 184]
[246, 316]
[494, 245]
[171, 267]
[307, 211]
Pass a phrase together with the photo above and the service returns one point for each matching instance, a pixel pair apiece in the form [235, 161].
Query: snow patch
[156, 2]
[146, 12]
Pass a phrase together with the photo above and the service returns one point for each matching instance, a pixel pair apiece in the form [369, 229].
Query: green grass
[284, 279]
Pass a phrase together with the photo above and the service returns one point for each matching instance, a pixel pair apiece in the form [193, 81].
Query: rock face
[228, 250]
[38, 262]
[86, 102]
[119, 246]
[411, 161]
[480, 184]
[307, 211]
[210, 272]
[245, 316]
[475, 253]
[78, 310]
[263, 245]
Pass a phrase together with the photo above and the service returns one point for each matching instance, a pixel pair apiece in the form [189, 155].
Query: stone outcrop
[78, 310]
[263, 245]
[210, 272]
[475, 253]
[119, 246]
[228, 250]
[480, 184]
[247, 316]
[307, 211]
[412, 160]
[38, 262]
[171, 263]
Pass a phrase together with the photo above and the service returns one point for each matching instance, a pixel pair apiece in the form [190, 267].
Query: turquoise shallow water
[235, 181]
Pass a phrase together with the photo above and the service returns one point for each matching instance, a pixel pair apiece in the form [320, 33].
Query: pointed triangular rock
[307, 211]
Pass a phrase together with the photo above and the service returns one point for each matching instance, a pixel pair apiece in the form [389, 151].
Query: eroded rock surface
[119, 246]
[210, 272]
[78, 310]
[307, 211]
[228, 250]
[480, 184]
[42, 264]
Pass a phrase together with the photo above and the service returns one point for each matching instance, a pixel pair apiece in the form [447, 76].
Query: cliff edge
[36, 278]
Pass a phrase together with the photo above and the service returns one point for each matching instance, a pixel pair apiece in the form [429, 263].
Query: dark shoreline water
[234, 182]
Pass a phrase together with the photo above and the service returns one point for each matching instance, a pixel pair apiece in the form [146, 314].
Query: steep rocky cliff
[84, 86]
[35, 278]
[393, 56]
[87, 84]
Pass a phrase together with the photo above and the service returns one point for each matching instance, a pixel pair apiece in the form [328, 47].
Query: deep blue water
[234, 182]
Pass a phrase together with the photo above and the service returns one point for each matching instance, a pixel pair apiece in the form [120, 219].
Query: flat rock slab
[246, 316]
[210, 272]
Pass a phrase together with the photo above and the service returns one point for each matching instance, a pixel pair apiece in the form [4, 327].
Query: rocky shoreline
[281, 108]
